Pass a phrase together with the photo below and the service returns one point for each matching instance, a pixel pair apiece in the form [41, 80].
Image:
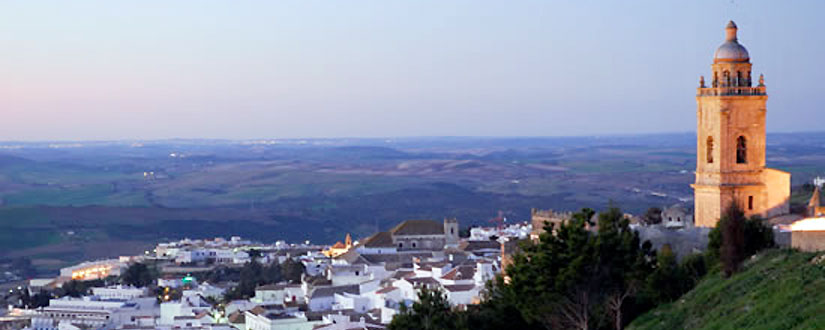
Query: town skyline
[95, 71]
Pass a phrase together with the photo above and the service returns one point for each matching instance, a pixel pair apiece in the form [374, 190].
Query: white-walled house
[323, 298]
[355, 302]
[348, 274]
[190, 304]
[272, 317]
[122, 292]
[343, 322]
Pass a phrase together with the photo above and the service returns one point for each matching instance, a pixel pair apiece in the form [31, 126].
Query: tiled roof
[405, 258]
[328, 291]
[387, 289]
[464, 272]
[459, 287]
[428, 265]
[378, 240]
[418, 227]
[416, 281]
[478, 245]
[403, 274]
[237, 317]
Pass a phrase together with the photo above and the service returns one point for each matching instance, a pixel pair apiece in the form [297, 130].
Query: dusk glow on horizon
[102, 70]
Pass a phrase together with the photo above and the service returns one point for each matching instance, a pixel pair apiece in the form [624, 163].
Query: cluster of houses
[351, 285]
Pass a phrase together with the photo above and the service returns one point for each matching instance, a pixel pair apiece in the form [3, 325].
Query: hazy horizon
[103, 71]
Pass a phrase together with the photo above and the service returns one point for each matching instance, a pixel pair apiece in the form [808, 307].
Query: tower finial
[730, 31]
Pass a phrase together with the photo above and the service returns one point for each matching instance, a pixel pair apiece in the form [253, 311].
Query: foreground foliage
[254, 274]
[777, 289]
[586, 276]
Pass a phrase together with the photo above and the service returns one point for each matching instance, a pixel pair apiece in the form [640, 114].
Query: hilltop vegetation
[777, 289]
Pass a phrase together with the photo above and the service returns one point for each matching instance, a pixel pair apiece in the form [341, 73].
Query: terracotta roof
[350, 256]
[403, 274]
[430, 264]
[815, 198]
[392, 258]
[465, 272]
[478, 245]
[237, 317]
[416, 281]
[418, 227]
[381, 239]
[329, 291]
[339, 245]
[459, 287]
[387, 289]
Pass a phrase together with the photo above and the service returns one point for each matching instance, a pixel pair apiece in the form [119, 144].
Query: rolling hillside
[779, 289]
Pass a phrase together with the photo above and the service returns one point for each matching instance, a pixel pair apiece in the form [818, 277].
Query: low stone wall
[808, 240]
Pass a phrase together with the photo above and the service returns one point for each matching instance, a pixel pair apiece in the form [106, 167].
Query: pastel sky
[75, 70]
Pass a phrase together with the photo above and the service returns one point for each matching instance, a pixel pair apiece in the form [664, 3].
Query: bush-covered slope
[778, 289]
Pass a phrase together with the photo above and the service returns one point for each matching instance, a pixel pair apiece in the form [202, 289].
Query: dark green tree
[292, 270]
[138, 275]
[74, 288]
[758, 236]
[431, 312]
[668, 280]
[39, 299]
[580, 277]
[255, 253]
[732, 251]
[254, 274]
[694, 267]
[653, 216]
[735, 238]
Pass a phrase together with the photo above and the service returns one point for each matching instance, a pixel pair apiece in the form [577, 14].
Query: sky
[111, 70]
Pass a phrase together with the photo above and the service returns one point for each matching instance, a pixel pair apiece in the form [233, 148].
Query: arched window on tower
[715, 79]
[709, 150]
[739, 81]
[741, 150]
[749, 82]
[726, 78]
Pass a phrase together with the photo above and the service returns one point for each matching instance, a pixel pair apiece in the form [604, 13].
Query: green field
[22, 228]
[66, 205]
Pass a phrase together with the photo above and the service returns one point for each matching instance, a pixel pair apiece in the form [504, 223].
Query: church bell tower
[730, 141]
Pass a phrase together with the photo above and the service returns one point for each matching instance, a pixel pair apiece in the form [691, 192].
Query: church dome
[731, 50]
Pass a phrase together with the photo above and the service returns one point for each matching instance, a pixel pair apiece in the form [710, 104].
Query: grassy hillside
[779, 289]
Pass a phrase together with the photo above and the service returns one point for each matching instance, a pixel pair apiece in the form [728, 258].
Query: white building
[92, 270]
[92, 312]
[676, 217]
[190, 304]
[323, 298]
[121, 292]
[343, 322]
[276, 318]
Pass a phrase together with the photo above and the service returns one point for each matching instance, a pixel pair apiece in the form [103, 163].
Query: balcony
[731, 91]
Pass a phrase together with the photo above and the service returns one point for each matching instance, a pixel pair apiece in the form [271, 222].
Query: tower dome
[731, 50]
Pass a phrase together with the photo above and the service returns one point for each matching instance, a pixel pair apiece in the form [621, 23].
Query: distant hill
[779, 289]
[63, 202]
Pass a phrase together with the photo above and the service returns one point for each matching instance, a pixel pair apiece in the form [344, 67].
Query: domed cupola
[731, 50]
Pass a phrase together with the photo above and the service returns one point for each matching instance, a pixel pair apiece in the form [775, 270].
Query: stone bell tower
[730, 141]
